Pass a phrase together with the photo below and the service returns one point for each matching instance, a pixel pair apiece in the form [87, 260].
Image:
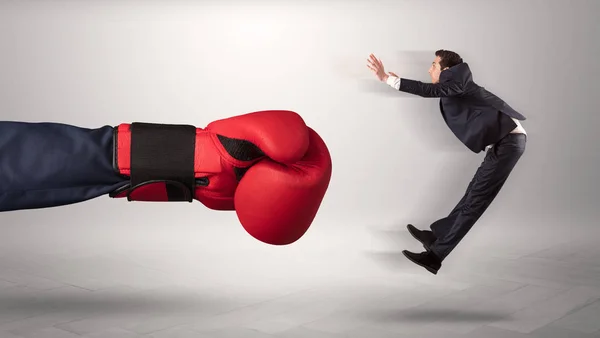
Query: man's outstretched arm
[423, 89]
[446, 89]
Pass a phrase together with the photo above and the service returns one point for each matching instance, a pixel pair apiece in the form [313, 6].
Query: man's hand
[376, 66]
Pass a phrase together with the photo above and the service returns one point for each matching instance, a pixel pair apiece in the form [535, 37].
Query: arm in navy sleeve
[446, 89]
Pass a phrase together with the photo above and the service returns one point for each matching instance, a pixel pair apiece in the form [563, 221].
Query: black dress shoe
[426, 237]
[426, 259]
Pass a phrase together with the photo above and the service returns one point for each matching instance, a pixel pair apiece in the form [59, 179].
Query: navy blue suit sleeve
[446, 89]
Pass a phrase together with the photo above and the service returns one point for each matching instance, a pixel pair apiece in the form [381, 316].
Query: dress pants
[52, 164]
[485, 185]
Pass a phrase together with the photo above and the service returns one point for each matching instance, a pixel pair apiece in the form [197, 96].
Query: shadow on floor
[113, 304]
[439, 315]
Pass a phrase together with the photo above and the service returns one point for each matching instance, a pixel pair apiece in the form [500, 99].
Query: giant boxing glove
[268, 166]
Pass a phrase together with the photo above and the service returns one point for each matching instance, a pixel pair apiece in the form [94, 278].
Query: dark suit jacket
[476, 116]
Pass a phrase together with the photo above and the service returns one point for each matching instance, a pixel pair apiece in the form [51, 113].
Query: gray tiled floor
[101, 278]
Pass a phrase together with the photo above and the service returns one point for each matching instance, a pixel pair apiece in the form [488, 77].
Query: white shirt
[394, 82]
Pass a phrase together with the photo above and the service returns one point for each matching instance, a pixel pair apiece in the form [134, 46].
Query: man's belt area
[159, 161]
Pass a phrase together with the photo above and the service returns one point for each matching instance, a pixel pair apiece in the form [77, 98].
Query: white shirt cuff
[393, 82]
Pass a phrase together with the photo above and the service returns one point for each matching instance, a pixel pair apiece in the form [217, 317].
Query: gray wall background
[92, 63]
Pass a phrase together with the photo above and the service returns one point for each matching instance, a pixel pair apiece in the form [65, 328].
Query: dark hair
[448, 58]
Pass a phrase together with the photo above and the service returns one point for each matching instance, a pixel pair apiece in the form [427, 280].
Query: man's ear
[446, 68]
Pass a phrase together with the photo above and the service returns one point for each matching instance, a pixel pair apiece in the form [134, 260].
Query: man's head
[444, 59]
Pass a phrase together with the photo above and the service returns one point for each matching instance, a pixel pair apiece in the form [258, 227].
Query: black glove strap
[164, 152]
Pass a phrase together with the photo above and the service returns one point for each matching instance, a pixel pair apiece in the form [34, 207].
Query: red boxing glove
[268, 166]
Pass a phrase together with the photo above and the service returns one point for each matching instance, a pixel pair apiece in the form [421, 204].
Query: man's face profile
[435, 70]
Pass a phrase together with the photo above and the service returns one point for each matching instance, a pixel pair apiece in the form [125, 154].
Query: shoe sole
[433, 271]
